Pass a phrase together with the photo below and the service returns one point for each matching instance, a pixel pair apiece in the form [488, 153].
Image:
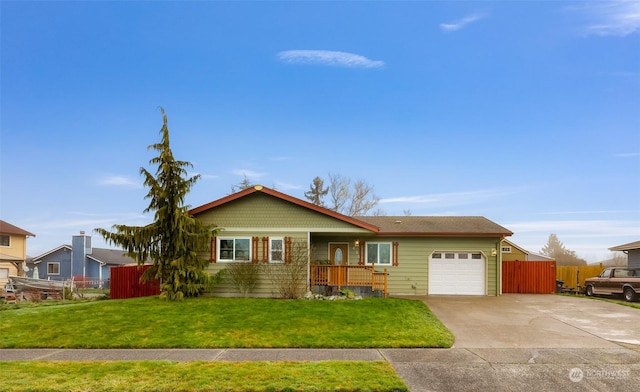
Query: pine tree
[557, 251]
[174, 240]
[317, 192]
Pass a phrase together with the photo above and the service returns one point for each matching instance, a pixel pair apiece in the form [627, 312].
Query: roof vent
[398, 222]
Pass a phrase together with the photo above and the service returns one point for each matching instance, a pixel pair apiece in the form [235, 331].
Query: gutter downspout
[308, 262]
[499, 264]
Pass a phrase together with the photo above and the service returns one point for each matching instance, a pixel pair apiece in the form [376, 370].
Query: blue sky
[527, 113]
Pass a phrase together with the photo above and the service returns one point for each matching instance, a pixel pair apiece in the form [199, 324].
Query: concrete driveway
[528, 342]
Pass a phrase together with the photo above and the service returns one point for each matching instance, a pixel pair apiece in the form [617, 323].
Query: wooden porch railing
[349, 275]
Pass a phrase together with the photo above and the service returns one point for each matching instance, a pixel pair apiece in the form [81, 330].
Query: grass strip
[225, 323]
[198, 376]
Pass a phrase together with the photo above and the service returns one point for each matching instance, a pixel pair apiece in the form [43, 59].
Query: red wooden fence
[531, 277]
[125, 283]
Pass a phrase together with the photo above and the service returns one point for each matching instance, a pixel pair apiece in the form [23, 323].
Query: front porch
[339, 276]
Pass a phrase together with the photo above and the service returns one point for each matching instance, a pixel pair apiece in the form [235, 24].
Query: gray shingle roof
[436, 225]
[629, 246]
[111, 256]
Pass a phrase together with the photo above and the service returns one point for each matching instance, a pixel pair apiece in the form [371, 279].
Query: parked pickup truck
[614, 281]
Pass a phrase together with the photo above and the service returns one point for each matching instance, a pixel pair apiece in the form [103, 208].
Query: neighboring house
[632, 251]
[421, 254]
[512, 252]
[13, 251]
[78, 260]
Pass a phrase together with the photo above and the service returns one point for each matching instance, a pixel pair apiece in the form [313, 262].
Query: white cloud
[203, 176]
[119, 181]
[286, 186]
[461, 23]
[248, 173]
[579, 228]
[617, 17]
[628, 154]
[329, 58]
[452, 198]
[589, 238]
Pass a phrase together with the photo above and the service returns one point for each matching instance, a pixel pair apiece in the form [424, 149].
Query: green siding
[262, 215]
[413, 259]
[260, 210]
[413, 255]
[265, 287]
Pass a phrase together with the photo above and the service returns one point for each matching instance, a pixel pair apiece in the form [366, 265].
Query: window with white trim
[276, 250]
[53, 268]
[234, 249]
[378, 253]
[5, 240]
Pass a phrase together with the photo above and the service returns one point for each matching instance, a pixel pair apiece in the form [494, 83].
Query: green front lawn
[224, 323]
[199, 376]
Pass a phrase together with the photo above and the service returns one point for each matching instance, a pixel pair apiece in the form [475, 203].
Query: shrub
[244, 276]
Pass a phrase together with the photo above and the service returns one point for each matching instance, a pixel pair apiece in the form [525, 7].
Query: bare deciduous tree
[347, 197]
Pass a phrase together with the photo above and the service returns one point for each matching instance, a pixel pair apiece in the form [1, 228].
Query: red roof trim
[285, 197]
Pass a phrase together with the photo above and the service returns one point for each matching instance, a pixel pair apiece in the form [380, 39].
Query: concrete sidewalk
[184, 355]
[459, 369]
[584, 356]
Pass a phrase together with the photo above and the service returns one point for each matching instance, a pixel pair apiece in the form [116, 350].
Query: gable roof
[454, 226]
[37, 258]
[629, 246]
[110, 256]
[531, 256]
[285, 197]
[444, 226]
[103, 256]
[8, 228]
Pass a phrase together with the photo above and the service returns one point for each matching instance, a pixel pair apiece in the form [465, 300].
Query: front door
[339, 254]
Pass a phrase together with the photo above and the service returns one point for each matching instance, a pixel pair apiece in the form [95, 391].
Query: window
[378, 253]
[5, 240]
[476, 256]
[463, 256]
[506, 249]
[276, 250]
[449, 255]
[437, 256]
[234, 249]
[53, 268]
[4, 273]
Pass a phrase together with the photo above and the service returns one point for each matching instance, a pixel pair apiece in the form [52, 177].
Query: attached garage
[457, 273]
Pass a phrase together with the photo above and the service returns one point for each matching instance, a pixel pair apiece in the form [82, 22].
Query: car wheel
[589, 291]
[629, 295]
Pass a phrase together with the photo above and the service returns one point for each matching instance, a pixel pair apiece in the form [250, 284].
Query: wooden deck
[349, 275]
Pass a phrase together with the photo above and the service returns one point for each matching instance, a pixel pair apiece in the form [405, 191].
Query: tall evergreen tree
[563, 256]
[317, 192]
[174, 240]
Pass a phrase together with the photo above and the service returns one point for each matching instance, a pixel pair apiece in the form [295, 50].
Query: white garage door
[457, 273]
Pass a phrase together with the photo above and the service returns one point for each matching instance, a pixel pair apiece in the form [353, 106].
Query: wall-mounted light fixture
[493, 252]
[356, 243]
